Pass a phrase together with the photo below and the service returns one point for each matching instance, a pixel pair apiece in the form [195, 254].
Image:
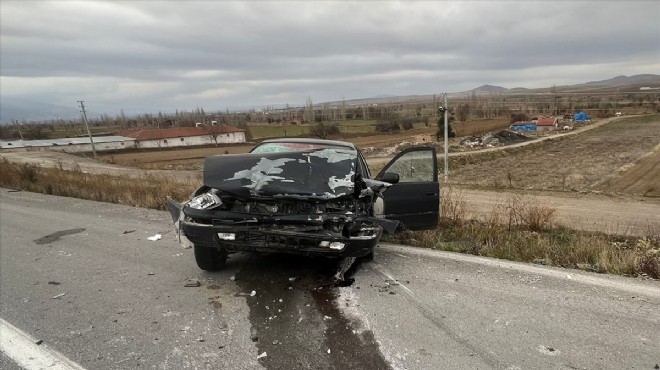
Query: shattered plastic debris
[344, 265]
[549, 351]
[262, 355]
[155, 237]
[191, 283]
[253, 293]
[59, 296]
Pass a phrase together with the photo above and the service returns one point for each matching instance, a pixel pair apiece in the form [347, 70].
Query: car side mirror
[391, 177]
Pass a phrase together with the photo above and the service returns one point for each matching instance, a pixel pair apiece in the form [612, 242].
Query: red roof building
[185, 136]
[547, 121]
[178, 132]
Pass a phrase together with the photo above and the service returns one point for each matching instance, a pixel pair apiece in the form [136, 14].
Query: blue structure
[581, 117]
[523, 126]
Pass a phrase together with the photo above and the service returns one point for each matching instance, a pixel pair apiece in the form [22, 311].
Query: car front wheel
[209, 258]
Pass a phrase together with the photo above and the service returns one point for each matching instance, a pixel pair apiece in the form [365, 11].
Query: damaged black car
[305, 196]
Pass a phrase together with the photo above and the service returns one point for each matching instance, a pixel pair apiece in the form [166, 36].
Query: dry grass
[522, 229]
[146, 192]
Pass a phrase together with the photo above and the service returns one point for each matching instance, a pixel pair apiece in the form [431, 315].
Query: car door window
[416, 166]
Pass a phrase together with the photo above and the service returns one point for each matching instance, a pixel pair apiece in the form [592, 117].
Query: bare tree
[214, 132]
[309, 110]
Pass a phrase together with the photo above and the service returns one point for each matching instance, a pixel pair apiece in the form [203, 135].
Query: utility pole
[445, 111]
[18, 126]
[91, 140]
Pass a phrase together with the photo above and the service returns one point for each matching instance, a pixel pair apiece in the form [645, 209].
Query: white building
[186, 136]
[70, 145]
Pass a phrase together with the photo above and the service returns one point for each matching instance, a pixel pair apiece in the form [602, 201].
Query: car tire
[368, 257]
[209, 258]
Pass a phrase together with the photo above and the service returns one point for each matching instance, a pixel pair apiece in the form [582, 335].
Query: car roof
[311, 141]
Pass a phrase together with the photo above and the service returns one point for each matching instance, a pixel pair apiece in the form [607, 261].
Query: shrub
[387, 126]
[323, 130]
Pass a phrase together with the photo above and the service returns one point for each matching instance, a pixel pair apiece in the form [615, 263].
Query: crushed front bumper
[296, 234]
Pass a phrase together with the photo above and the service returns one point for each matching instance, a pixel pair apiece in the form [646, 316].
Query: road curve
[82, 277]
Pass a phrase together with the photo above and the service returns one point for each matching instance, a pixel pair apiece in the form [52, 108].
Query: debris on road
[254, 335]
[54, 282]
[38, 342]
[253, 293]
[232, 278]
[192, 283]
[494, 138]
[262, 355]
[549, 351]
[59, 296]
[344, 265]
[155, 237]
[128, 232]
[150, 273]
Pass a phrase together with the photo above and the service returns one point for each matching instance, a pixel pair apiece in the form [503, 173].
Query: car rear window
[292, 147]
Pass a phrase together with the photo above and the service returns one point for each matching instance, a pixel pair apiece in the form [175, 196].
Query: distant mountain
[616, 84]
[489, 89]
[624, 80]
[12, 108]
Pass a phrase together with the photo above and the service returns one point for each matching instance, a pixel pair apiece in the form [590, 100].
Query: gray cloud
[150, 55]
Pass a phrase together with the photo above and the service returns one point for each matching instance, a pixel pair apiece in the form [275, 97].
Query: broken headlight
[205, 201]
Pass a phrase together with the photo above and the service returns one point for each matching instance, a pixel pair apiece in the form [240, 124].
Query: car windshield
[293, 147]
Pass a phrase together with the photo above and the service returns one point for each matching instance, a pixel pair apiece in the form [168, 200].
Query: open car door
[415, 199]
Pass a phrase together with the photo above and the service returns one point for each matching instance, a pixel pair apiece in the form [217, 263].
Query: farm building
[186, 136]
[547, 124]
[70, 145]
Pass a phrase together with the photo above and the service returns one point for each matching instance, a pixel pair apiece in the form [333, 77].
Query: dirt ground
[624, 153]
[617, 157]
[641, 177]
[193, 158]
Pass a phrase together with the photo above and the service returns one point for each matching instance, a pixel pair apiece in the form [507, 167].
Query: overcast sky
[146, 56]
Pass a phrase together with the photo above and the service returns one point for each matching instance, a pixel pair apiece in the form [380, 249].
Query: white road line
[22, 348]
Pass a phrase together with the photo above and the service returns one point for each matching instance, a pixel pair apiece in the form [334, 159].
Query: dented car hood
[313, 174]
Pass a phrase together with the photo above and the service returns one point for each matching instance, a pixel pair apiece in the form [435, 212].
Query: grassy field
[361, 133]
[602, 159]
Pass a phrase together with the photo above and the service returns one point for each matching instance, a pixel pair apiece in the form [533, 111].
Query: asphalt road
[82, 277]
